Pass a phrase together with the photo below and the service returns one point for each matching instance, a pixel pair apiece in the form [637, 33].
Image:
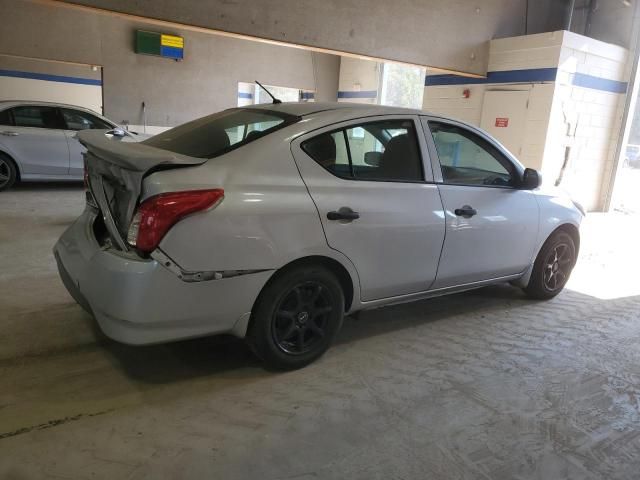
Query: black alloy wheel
[302, 317]
[557, 267]
[552, 267]
[296, 317]
[7, 173]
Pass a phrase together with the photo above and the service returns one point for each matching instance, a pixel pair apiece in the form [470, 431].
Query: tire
[296, 317]
[552, 267]
[8, 172]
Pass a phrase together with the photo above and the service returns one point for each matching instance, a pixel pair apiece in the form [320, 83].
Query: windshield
[221, 132]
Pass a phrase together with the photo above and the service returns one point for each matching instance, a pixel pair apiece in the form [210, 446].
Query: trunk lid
[115, 171]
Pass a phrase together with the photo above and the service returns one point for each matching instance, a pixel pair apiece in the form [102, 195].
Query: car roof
[15, 103]
[302, 109]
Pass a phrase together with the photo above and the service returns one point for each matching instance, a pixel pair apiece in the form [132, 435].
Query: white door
[491, 225]
[504, 116]
[35, 138]
[367, 179]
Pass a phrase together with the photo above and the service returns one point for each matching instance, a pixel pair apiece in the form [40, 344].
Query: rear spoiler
[133, 156]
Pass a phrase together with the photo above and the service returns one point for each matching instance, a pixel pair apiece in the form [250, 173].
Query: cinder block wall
[586, 117]
[576, 88]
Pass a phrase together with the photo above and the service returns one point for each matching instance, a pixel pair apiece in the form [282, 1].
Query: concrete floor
[483, 385]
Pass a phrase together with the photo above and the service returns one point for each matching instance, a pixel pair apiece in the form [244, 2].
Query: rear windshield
[221, 132]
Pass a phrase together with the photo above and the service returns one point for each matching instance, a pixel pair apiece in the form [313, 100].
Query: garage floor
[478, 385]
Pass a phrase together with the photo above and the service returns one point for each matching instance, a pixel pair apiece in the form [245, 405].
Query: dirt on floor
[480, 385]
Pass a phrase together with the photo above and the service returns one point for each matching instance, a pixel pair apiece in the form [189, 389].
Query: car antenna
[275, 100]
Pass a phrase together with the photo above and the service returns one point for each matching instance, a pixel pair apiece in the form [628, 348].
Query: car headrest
[322, 149]
[400, 160]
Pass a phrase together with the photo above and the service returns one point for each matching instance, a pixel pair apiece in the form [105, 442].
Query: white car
[37, 140]
[272, 222]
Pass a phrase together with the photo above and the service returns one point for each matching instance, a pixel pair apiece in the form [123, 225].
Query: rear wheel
[296, 317]
[552, 267]
[8, 172]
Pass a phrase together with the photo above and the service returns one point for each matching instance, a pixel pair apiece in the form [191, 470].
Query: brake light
[156, 215]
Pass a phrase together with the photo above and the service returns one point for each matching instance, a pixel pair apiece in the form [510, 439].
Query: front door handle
[10, 134]
[343, 213]
[466, 211]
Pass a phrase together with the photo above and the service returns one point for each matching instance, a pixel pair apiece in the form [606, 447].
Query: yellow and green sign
[160, 44]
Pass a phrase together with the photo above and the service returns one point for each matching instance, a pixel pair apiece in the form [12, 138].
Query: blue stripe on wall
[307, 95]
[245, 95]
[507, 76]
[359, 94]
[49, 78]
[598, 83]
[532, 75]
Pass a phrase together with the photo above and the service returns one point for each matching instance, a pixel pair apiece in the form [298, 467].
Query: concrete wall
[174, 92]
[444, 33]
[610, 21]
[547, 15]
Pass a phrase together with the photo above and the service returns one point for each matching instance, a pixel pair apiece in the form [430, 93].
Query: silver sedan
[37, 141]
[272, 222]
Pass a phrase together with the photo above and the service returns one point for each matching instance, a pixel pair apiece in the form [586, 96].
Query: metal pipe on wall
[590, 9]
[572, 7]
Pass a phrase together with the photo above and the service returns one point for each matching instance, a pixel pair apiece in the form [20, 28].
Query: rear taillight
[156, 215]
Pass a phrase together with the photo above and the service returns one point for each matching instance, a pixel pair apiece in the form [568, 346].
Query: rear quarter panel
[266, 220]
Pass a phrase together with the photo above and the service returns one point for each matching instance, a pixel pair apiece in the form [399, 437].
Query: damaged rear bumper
[140, 301]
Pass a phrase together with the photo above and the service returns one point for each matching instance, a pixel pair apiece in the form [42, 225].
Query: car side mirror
[531, 179]
[372, 158]
[117, 132]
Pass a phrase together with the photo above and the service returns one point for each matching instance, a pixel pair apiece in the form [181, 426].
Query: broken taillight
[157, 214]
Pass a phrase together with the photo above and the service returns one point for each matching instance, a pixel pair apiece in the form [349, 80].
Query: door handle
[466, 211]
[10, 134]
[343, 213]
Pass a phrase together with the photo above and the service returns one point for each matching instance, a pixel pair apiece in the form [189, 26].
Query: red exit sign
[502, 122]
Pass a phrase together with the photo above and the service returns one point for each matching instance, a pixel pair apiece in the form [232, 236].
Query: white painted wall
[448, 100]
[358, 77]
[560, 114]
[13, 88]
[88, 96]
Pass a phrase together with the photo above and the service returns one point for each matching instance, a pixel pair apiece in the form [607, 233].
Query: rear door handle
[10, 134]
[466, 211]
[343, 213]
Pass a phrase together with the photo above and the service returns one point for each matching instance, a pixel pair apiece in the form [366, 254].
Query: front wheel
[552, 267]
[296, 317]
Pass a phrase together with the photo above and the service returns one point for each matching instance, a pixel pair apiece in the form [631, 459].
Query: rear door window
[37, 116]
[382, 151]
[221, 132]
[330, 151]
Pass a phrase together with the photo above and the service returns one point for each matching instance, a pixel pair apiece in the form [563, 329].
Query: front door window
[468, 159]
